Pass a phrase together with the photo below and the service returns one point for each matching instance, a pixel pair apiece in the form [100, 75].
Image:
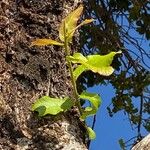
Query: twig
[140, 119]
[93, 125]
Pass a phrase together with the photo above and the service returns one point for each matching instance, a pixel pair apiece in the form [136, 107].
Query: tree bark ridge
[144, 144]
[25, 73]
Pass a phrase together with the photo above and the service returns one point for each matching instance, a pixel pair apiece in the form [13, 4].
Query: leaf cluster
[121, 25]
[95, 63]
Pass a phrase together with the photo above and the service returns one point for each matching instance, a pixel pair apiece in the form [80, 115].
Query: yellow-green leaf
[95, 101]
[77, 58]
[101, 63]
[86, 21]
[69, 24]
[78, 71]
[44, 42]
[47, 105]
[97, 63]
[91, 133]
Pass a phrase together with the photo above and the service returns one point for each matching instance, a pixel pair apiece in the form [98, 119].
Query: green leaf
[122, 144]
[44, 42]
[69, 24]
[77, 72]
[86, 21]
[95, 101]
[77, 58]
[101, 64]
[47, 105]
[96, 63]
[91, 133]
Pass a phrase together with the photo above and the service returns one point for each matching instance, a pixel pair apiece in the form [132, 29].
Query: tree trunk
[144, 144]
[27, 73]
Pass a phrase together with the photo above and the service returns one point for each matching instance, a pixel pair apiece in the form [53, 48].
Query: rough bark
[144, 144]
[26, 73]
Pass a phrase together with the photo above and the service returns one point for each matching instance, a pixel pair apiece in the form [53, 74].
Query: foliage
[43, 42]
[95, 103]
[122, 144]
[121, 25]
[95, 63]
[47, 105]
[91, 133]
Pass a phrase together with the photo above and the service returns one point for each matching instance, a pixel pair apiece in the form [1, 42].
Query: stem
[76, 96]
[140, 120]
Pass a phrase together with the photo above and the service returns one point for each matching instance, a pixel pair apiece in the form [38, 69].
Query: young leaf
[47, 105]
[91, 133]
[69, 24]
[96, 63]
[78, 71]
[44, 42]
[95, 101]
[101, 64]
[86, 21]
[77, 58]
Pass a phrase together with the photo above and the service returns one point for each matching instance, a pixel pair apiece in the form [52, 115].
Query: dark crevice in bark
[24, 75]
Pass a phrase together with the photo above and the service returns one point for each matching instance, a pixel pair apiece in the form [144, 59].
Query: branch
[140, 114]
[143, 144]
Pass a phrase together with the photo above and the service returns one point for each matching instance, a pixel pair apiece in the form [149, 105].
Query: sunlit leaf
[44, 42]
[95, 101]
[96, 63]
[77, 58]
[86, 21]
[101, 64]
[47, 105]
[91, 133]
[69, 24]
[78, 71]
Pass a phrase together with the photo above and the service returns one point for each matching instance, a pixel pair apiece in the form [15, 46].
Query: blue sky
[109, 130]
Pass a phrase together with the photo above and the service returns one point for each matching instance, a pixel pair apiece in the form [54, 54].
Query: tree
[144, 144]
[121, 25]
[30, 72]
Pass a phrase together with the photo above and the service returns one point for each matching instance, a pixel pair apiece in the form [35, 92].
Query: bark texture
[144, 144]
[26, 73]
